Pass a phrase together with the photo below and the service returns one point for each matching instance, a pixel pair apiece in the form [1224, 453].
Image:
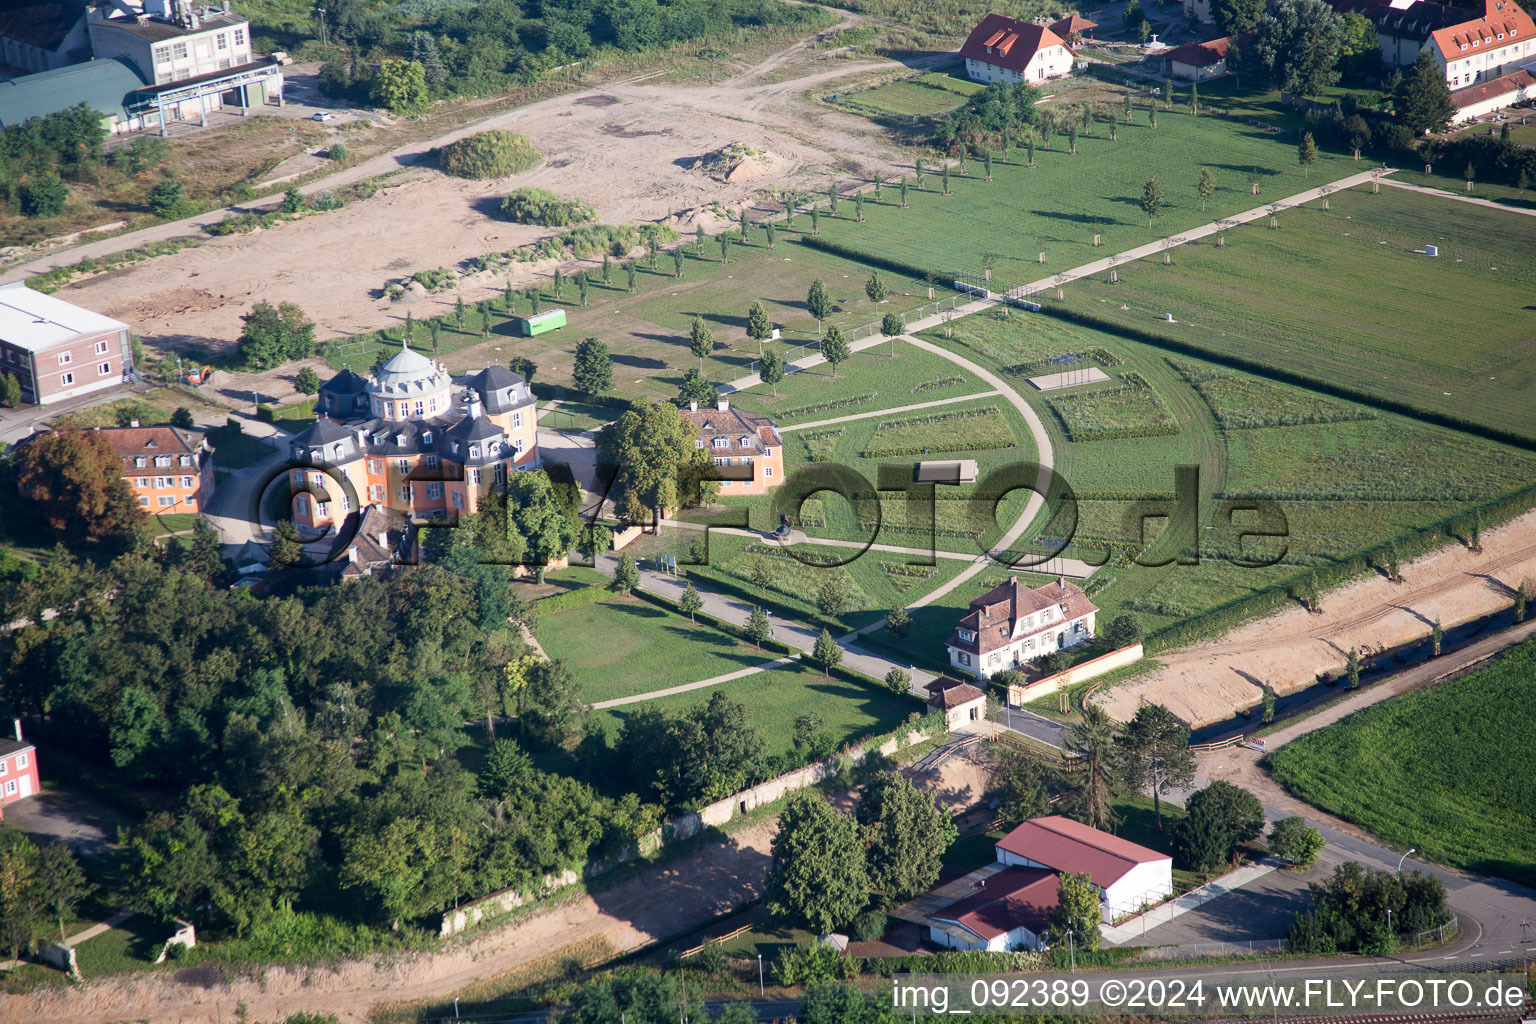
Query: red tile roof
[1008, 43]
[733, 424]
[1483, 91]
[952, 693]
[995, 615]
[1066, 845]
[1199, 55]
[1012, 898]
[1503, 24]
[131, 441]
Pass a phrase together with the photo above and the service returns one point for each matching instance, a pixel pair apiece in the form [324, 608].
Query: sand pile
[734, 163]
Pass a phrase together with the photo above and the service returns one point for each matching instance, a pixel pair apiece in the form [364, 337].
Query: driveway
[70, 817]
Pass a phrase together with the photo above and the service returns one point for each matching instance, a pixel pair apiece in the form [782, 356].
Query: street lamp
[1411, 849]
[1072, 950]
[760, 990]
[455, 1007]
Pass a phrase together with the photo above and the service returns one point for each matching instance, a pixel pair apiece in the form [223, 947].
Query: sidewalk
[1440, 193]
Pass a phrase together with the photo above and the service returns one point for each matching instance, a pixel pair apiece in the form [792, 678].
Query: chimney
[693, 406]
[1013, 579]
[1061, 581]
[133, 423]
[352, 554]
[723, 404]
[472, 401]
[16, 723]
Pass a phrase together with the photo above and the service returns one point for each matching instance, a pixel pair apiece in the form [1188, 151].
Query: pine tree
[690, 602]
[768, 232]
[759, 629]
[1306, 152]
[944, 177]
[582, 286]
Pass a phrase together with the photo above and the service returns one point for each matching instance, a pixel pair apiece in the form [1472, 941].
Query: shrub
[492, 154]
[338, 152]
[544, 208]
[326, 200]
[869, 926]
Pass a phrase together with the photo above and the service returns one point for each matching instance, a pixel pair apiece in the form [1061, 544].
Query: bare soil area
[1211, 681]
[628, 148]
[650, 905]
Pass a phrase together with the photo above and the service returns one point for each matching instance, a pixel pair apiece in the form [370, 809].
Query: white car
[322, 115]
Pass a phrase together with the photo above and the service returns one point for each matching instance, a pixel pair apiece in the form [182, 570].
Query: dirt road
[650, 905]
[1211, 681]
[625, 148]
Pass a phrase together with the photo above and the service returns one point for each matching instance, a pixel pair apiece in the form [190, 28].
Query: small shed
[1074, 27]
[964, 706]
[962, 471]
[1197, 62]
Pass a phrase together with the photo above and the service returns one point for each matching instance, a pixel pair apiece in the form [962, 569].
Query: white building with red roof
[1472, 43]
[1012, 624]
[1007, 50]
[1129, 877]
[1008, 911]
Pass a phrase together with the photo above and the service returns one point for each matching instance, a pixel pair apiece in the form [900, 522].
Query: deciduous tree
[701, 340]
[770, 371]
[759, 328]
[593, 370]
[73, 483]
[835, 349]
[1077, 911]
[1153, 752]
[826, 652]
[818, 303]
[817, 875]
[905, 835]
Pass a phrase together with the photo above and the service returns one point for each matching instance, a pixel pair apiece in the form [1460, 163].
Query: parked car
[323, 115]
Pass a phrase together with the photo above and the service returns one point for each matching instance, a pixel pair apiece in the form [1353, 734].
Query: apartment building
[58, 350]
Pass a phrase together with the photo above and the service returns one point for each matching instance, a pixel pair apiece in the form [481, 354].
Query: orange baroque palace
[413, 439]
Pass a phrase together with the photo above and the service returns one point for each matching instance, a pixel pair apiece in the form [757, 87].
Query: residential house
[747, 447]
[963, 705]
[18, 770]
[1003, 49]
[1127, 876]
[1012, 624]
[432, 447]
[169, 469]
[1007, 912]
[1073, 27]
[1475, 43]
[1197, 62]
[58, 350]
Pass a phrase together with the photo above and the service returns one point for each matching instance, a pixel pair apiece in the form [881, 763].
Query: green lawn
[1351, 276]
[174, 522]
[1450, 770]
[623, 646]
[909, 97]
[130, 946]
[1058, 205]
[774, 699]
[235, 450]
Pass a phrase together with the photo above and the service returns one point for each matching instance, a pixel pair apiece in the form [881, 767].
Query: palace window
[434, 490]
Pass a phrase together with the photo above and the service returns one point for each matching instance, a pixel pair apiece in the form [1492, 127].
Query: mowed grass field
[624, 646]
[1058, 205]
[911, 97]
[1450, 770]
[1342, 297]
[774, 699]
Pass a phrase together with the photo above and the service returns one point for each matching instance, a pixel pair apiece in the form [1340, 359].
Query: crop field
[643, 648]
[1247, 403]
[1450, 770]
[1396, 322]
[1131, 409]
[961, 430]
[774, 699]
[1063, 201]
[868, 382]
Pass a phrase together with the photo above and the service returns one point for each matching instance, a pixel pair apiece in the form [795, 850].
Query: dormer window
[722, 442]
[698, 442]
[967, 635]
[426, 437]
[474, 451]
[151, 443]
[746, 442]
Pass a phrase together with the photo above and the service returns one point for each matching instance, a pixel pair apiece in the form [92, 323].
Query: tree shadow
[1078, 218]
[639, 362]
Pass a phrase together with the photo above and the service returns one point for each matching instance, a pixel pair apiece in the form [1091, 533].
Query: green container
[542, 323]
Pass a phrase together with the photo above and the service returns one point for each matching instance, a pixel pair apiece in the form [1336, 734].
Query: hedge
[266, 414]
[578, 598]
[880, 262]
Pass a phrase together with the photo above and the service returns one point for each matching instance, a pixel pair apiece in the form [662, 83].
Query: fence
[1252, 947]
[1436, 936]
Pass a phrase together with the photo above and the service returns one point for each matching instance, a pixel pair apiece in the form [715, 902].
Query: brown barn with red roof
[1012, 624]
[1073, 27]
[1128, 876]
[1007, 50]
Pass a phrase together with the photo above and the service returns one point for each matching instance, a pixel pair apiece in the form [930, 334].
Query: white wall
[1076, 674]
[1145, 883]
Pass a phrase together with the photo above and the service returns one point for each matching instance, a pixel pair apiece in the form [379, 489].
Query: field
[774, 699]
[909, 97]
[1450, 770]
[1131, 409]
[641, 648]
[1061, 203]
[871, 381]
[1351, 276]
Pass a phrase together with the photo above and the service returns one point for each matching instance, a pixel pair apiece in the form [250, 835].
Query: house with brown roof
[1003, 49]
[1008, 911]
[1129, 877]
[1197, 62]
[169, 469]
[1013, 624]
[963, 705]
[747, 447]
[1486, 97]
[1473, 43]
[1073, 27]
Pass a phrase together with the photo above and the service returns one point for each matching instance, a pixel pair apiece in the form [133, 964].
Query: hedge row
[880, 262]
[827, 406]
[1259, 369]
[937, 383]
[578, 598]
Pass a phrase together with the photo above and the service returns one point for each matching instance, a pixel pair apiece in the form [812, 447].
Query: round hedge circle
[492, 154]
